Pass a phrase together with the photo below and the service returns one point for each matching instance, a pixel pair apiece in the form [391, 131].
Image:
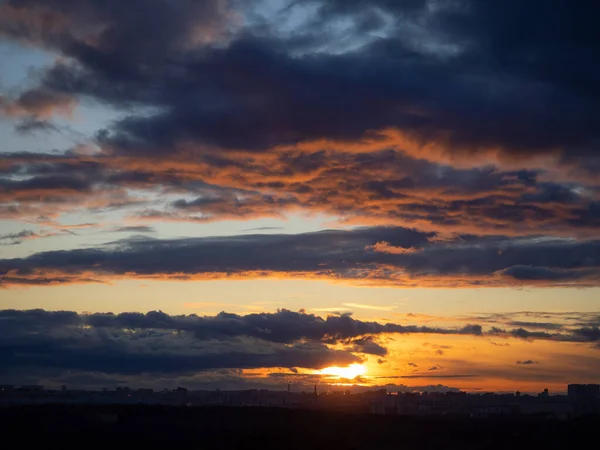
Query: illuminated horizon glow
[349, 372]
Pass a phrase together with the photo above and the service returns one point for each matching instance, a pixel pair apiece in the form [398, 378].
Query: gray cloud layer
[351, 255]
[64, 343]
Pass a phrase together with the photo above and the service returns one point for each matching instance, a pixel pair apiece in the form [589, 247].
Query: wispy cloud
[332, 309]
[133, 229]
[263, 229]
[372, 307]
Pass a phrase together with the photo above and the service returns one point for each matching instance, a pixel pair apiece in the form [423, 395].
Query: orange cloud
[38, 103]
[386, 247]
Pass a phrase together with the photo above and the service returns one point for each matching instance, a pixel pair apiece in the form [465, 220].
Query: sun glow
[349, 372]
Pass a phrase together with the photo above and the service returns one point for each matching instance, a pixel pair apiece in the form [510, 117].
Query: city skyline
[580, 400]
[230, 193]
[29, 391]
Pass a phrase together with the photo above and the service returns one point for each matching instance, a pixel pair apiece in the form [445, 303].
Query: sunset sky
[244, 193]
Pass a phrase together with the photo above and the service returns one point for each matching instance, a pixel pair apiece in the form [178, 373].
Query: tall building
[584, 390]
[585, 398]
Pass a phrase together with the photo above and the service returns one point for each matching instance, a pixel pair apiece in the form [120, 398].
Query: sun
[350, 372]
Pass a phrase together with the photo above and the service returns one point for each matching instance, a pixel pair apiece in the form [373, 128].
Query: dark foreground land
[266, 428]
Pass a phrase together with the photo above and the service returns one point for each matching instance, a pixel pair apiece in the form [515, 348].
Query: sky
[233, 194]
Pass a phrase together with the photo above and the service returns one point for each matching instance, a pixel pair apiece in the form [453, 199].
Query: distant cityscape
[581, 399]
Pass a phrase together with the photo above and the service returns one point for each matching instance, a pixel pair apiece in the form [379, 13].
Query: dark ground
[90, 427]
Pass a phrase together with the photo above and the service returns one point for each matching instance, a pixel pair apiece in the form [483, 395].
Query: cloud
[537, 325]
[588, 333]
[32, 126]
[527, 362]
[372, 307]
[284, 327]
[385, 247]
[25, 235]
[330, 254]
[263, 229]
[368, 346]
[432, 376]
[35, 104]
[46, 183]
[39, 343]
[465, 88]
[156, 343]
[435, 148]
[17, 238]
[134, 229]
[281, 327]
[114, 34]
[530, 273]
[386, 187]
[523, 333]
[94, 357]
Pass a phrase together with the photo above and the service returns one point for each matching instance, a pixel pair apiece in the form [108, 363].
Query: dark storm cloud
[228, 254]
[15, 321]
[45, 183]
[281, 327]
[468, 260]
[523, 273]
[525, 88]
[137, 343]
[349, 94]
[118, 33]
[118, 356]
[552, 42]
